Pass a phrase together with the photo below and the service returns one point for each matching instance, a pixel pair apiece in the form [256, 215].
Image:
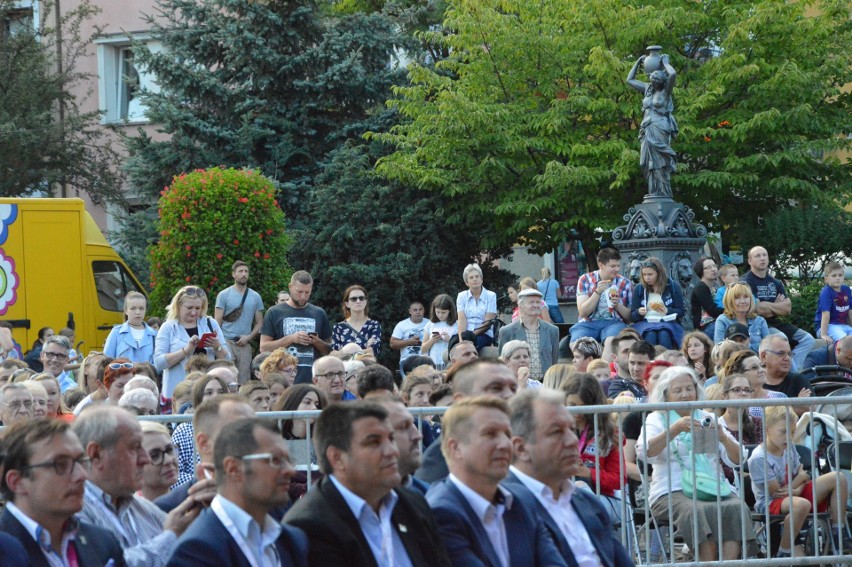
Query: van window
[113, 282]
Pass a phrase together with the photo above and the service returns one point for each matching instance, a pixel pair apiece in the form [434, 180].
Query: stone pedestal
[662, 227]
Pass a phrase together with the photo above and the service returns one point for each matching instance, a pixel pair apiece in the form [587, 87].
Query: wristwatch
[220, 348]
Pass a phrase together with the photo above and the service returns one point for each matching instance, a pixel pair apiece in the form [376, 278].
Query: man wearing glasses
[54, 356]
[16, 404]
[776, 355]
[299, 326]
[43, 480]
[112, 440]
[329, 375]
[253, 474]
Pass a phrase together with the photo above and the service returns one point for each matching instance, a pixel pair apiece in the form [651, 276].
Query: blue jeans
[598, 330]
[555, 314]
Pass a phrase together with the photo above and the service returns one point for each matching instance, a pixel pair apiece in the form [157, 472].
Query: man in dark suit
[546, 456]
[407, 437]
[12, 553]
[357, 514]
[481, 377]
[43, 483]
[253, 474]
[475, 514]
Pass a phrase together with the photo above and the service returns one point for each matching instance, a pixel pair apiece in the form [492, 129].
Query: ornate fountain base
[662, 227]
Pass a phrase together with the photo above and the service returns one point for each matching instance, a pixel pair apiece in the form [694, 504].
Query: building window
[120, 80]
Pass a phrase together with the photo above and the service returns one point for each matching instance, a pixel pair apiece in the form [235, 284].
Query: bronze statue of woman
[656, 157]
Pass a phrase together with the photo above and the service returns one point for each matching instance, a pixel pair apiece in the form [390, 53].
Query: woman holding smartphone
[187, 331]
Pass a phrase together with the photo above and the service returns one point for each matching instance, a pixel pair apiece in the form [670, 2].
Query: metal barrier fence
[637, 530]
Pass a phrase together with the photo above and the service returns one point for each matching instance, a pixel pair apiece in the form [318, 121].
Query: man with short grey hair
[54, 356]
[16, 404]
[545, 457]
[112, 440]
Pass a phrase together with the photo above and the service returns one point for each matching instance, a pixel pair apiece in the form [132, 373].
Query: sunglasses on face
[358, 298]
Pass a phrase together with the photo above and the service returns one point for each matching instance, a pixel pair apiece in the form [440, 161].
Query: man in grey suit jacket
[543, 337]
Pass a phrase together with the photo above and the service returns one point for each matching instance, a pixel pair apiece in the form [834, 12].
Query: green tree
[209, 219]
[529, 118]
[45, 139]
[389, 238]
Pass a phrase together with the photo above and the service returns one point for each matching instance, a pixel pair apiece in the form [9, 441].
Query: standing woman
[476, 307]
[704, 308]
[552, 293]
[655, 297]
[357, 327]
[697, 348]
[133, 339]
[740, 307]
[180, 337]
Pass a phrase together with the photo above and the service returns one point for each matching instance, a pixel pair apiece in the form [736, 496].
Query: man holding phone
[299, 326]
[239, 311]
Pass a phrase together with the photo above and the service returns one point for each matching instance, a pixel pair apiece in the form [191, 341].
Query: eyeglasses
[781, 353]
[358, 298]
[194, 292]
[158, 456]
[290, 371]
[741, 391]
[332, 375]
[18, 404]
[273, 461]
[54, 355]
[63, 466]
[120, 365]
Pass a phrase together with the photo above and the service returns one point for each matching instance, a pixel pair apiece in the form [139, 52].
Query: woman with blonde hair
[552, 293]
[516, 355]
[187, 331]
[556, 375]
[741, 307]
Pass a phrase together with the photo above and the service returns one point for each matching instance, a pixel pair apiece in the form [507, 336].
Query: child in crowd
[599, 368]
[782, 486]
[729, 275]
[444, 324]
[833, 317]
[697, 348]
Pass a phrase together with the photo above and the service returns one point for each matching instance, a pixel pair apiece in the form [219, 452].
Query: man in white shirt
[253, 474]
[42, 482]
[546, 456]
[476, 516]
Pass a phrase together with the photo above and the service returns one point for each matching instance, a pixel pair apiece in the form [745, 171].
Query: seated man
[546, 457]
[476, 516]
[16, 404]
[357, 514]
[112, 440]
[603, 299]
[43, 476]
[253, 473]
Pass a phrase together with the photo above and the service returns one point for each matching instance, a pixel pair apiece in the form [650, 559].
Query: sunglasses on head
[120, 365]
[194, 292]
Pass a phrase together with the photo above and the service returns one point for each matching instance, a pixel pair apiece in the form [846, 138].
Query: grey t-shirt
[228, 300]
[282, 320]
[764, 467]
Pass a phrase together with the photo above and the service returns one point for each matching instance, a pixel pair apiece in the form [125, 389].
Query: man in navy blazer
[476, 516]
[43, 482]
[12, 553]
[546, 456]
[253, 474]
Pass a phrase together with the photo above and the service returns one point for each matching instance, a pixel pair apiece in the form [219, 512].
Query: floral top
[343, 334]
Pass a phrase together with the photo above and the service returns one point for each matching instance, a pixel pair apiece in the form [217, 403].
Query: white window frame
[113, 53]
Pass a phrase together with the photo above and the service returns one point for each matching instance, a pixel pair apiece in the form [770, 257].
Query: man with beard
[300, 327]
[253, 474]
[239, 311]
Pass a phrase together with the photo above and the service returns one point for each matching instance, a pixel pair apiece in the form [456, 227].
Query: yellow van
[57, 270]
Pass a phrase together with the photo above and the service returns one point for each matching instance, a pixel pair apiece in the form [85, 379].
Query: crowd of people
[367, 482]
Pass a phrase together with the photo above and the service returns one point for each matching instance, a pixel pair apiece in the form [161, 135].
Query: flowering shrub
[207, 220]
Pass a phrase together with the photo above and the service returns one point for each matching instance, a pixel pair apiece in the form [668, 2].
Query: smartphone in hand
[202, 342]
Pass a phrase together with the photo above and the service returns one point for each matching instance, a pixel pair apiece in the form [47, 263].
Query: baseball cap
[736, 330]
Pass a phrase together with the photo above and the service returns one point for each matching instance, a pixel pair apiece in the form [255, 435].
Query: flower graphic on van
[8, 215]
[8, 282]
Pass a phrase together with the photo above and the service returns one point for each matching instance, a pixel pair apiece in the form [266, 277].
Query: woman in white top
[437, 333]
[476, 307]
[666, 442]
